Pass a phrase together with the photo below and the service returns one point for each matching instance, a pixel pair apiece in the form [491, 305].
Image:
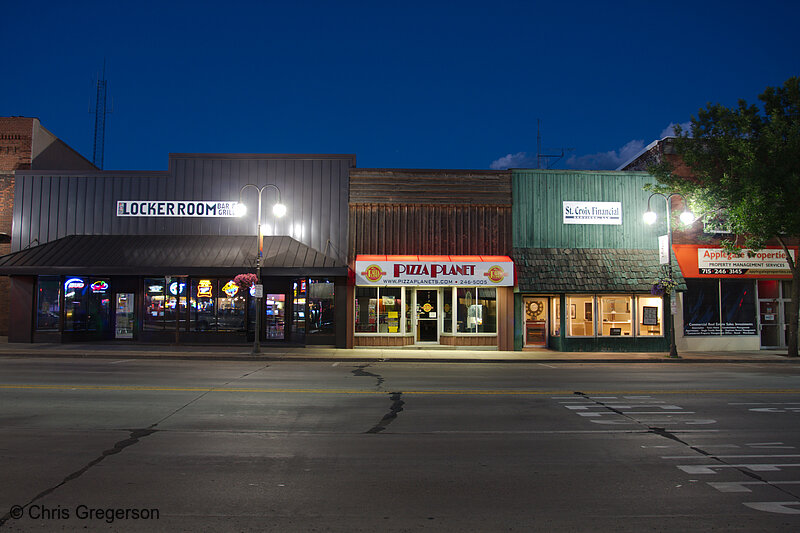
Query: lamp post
[687, 218]
[278, 209]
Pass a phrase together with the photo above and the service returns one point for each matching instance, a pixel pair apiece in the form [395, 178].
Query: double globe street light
[650, 218]
[279, 210]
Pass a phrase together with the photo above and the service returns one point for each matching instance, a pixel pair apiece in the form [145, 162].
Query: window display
[47, 303]
[555, 322]
[203, 316]
[649, 310]
[321, 318]
[616, 316]
[476, 310]
[87, 304]
[231, 305]
[580, 317]
[366, 309]
[379, 310]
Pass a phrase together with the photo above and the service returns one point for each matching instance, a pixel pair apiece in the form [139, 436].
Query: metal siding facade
[537, 209]
[314, 188]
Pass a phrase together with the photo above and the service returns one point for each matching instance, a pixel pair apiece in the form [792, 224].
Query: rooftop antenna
[547, 157]
[100, 112]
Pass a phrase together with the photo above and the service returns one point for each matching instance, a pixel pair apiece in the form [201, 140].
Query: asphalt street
[140, 445]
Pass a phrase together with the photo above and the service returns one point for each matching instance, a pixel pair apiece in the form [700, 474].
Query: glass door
[124, 316]
[773, 296]
[275, 320]
[536, 322]
[427, 315]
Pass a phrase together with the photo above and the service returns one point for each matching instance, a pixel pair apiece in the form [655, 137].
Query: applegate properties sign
[715, 262]
[435, 272]
[592, 213]
[697, 261]
[168, 208]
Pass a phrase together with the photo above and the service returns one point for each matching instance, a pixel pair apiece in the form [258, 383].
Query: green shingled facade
[557, 259]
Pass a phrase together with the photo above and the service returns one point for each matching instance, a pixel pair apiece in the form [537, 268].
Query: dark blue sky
[400, 84]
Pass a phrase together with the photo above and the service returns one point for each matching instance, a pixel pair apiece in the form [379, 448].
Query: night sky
[400, 84]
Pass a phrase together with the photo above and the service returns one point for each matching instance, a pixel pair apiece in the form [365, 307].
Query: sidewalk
[274, 353]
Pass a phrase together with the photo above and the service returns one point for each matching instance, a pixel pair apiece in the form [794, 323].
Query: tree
[743, 164]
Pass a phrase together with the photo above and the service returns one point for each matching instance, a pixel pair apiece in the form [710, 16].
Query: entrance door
[124, 316]
[427, 315]
[275, 316]
[535, 322]
[773, 296]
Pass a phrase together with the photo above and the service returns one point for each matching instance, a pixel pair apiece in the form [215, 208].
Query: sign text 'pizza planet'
[492, 271]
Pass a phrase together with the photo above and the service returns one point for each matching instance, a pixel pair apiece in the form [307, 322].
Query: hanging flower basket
[245, 281]
[663, 286]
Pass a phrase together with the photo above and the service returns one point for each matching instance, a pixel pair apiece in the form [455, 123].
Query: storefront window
[231, 304]
[202, 302]
[380, 310]
[389, 311]
[555, 322]
[366, 309]
[580, 317]
[738, 307]
[320, 307]
[175, 303]
[616, 316]
[300, 292]
[154, 304]
[701, 307]
[476, 310]
[649, 310]
[447, 310]
[47, 303]
[768, 288]
[87, 304]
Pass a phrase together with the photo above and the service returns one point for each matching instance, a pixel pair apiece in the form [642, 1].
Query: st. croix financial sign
[491, 271]
[168, 208]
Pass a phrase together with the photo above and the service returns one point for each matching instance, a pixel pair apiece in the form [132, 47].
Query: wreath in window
[534, 309]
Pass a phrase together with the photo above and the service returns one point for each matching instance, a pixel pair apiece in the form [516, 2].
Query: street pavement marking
[774, 507]
[771, 445]
[726, 456]
[740, 486]
[355, 391]
[759, 467]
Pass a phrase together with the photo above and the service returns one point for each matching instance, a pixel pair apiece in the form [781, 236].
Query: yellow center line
[463, 392]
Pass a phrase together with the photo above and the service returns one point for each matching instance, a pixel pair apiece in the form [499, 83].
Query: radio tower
[100, 112]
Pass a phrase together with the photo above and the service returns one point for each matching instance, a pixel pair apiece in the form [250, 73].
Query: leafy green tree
[742, 164]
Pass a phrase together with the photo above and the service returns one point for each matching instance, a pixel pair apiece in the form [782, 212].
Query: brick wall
[16, 139]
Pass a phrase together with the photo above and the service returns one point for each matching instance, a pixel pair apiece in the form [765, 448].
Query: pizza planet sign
[498, 273]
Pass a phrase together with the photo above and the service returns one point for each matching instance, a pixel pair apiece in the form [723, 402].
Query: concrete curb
[576, 358]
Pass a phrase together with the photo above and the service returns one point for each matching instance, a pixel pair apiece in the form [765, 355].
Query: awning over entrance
[169, 255]
[573, 270]
[445, 270]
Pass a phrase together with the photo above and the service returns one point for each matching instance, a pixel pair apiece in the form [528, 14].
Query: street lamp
[687, 218]
[278, 210]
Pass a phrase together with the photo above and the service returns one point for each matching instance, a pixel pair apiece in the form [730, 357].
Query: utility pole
[100, 112]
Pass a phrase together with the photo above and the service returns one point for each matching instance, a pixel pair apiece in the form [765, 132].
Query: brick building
[26, 145]
[732, 302]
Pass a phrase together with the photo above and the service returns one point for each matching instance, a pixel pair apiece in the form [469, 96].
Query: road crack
[134, 437]
[663, 432]
[388, 418]
[360, 372]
